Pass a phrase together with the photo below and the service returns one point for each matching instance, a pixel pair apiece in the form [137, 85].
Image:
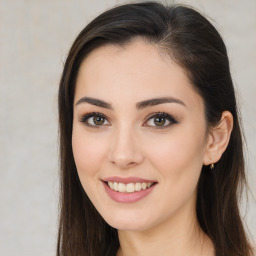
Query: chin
[127, 226]
[128, 223]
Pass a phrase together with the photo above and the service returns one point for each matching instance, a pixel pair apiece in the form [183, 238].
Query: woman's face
[139, 127]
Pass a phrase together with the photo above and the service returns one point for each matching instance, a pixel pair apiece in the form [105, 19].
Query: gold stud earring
[212, 166]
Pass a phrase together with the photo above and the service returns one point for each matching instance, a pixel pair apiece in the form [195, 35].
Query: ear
[218, 139]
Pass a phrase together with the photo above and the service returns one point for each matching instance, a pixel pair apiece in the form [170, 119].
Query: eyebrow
[139, 105]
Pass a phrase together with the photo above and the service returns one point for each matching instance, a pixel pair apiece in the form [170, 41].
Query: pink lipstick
[128, 190]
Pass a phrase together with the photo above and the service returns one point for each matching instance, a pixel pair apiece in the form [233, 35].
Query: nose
[125, 151]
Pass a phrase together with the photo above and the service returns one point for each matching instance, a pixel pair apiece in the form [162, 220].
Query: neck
[180, 235]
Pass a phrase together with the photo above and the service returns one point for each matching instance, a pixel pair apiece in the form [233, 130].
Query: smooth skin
[127, 141]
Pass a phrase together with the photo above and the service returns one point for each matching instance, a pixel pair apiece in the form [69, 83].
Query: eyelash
[84, 119]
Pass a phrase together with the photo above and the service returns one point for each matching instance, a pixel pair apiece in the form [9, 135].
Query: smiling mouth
[130, 187]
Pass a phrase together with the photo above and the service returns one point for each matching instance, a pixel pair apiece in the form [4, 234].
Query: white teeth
[130, 187]
[115, 186]
[121, 187]
[111, 184]
[138, 186]
[144, 185]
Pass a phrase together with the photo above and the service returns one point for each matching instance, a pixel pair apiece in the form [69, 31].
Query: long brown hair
[193, 43]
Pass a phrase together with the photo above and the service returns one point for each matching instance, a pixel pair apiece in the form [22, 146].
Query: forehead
[134, 72]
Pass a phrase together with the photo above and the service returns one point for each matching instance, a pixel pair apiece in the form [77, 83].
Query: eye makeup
[157, 120]
[160, 120]
[94, 119]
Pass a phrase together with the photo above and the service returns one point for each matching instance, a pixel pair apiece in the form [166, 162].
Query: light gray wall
[35, 36]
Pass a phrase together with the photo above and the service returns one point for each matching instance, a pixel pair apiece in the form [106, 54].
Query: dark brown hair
[193, 43]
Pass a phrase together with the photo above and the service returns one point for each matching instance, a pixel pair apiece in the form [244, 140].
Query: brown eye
[94, 120]
[98, 120]
[160, 120]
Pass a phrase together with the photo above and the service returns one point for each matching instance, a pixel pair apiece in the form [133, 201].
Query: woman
[150, 143]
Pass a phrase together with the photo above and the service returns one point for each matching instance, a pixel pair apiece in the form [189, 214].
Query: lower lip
[121, 197]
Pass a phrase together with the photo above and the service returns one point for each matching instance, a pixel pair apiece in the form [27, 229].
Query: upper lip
[127, 180]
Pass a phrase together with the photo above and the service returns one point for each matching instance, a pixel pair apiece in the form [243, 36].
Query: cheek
[177, 153]
[178, 161]
[89, 152]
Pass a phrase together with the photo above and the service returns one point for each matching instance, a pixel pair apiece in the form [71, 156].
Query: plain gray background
[35, 36]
